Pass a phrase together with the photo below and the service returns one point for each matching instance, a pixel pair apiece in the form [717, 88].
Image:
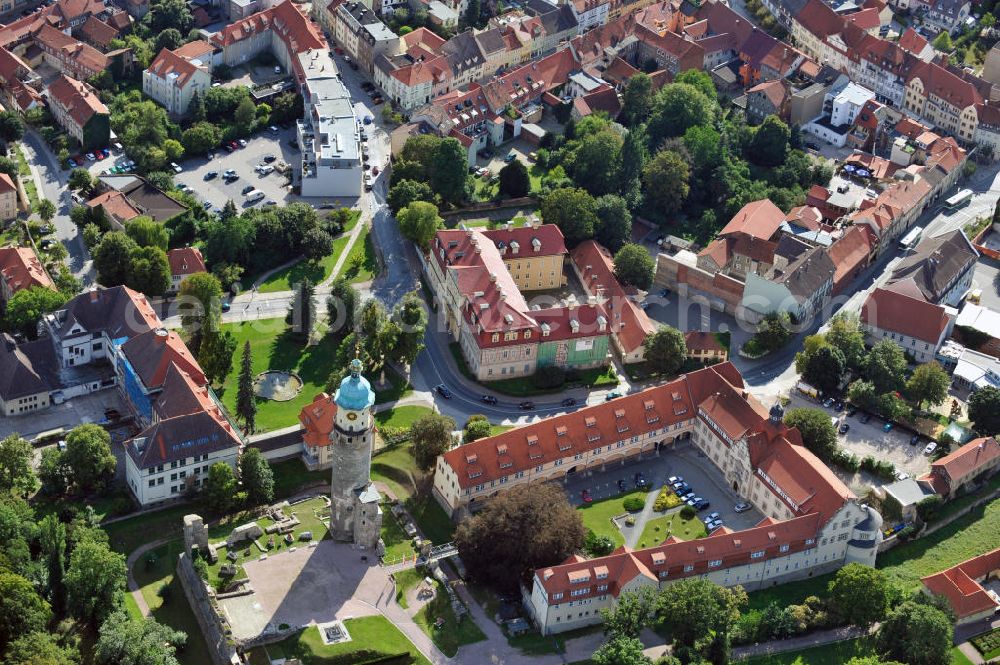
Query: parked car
[612, 395]
[930, 448]
[368, 119]
[247, 189]
[226, 307]
[243, 143]
[676, 484]
[585, 496]
[526, 405]
[742, 507]
[703, 504]
[640, 480]
[269, 158]
[887, 427]
[488, 399]
[270, 202]
[211, 175]
[176, 167]
[902, 475]
[712, 526]
[443, 391]
[694, 501]
[688, 496]
[511, 156]
[838, 405]
[374, 170]
[865, 417]
[569, 401]
[844, 428]
[711, 517]
[621, 485]
[675, 479]
[828, 402]
[915, 439]
[682, 490]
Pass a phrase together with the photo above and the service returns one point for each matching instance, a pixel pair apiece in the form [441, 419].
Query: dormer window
[471, 458]
[496, 337]
[649, 404]
[501, 449]
[560, 431]
[590, 421]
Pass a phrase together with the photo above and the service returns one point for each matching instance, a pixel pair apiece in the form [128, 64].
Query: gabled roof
[935, 263]
[80, 101]
[21, 269]
[542, 240]
[185, 261]
[773, 90]
[889, 310]
[84, 55]
[286, 20]
[26, 369]
[697, 340]
[960, 585]
[153, 352]
[119, 311]
[975, 455]
[176, 70]
[193, 434]
[96, 31]
[116, 205]
[850, 252]
[758, 219]
[182, 395]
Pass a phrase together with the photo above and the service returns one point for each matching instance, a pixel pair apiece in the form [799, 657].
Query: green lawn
[273, 346]
[597, 515]
[406, 580]
[29, 182]
[173, 610]
[372, 639]
[658, 528]
[126, 535]
[959, 658]
[792, 593]
[402, 416]
[830, 654]
[397, 544]
[971, 535]
[536, 644]
[291, 475]
[316, 272]
[453, 633]
[362, 262]
[398, 387]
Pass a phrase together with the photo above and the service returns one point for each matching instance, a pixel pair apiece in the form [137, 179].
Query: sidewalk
[818, 638]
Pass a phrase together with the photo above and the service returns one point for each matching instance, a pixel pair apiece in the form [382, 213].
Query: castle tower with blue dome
[355, 515]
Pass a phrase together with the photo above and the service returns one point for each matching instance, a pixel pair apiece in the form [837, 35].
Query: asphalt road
[54, 189]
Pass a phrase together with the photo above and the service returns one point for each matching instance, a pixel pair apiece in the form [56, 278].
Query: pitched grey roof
[935, 264]
[463, 52]
[113, 310]
[491, 41]
[555, 19]
[807, 275]
[26, 369]
[176, 438]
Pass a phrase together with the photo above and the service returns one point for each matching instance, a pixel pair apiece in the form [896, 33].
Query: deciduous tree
[113, 258]
[818, 433]
[200, 305]
[666, 350]
[201, 137]
[665, 183]
[916, 633]
[46, 210]
[448, 170]
[694, 609]
[637, 100]
[22, 610]
[530, 526]
[614, 221]
[431, 436]
[215, 354]
[418, 222]
[984, 410]
[39, 648]
[929, 383]
[219, 489]
[26, 308]
[634, 266]
[634, 611]
[825, 369]
[574, 211]
[597, 160]
[88, 456]
[95, 581]
[677, 108]
[11, 127]
[16, 472]
[405, 192]
[770, 142]
[148, 271]
[257, 477]
[860, 594]
[341, 306]
[885, 366]
[123, 640]
[621, 651]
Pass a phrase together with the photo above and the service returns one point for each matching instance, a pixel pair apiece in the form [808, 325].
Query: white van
[254, 195]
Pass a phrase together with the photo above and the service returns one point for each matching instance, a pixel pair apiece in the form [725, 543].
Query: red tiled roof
[942, 83]
[318, 418]
[960, 587]
[153, 352]
[198, 49]
[97, 31]
[806, 217]
[168, 63]
[976, 454]
[116, 205]
[20, 267]
[80, 101]
[577, 322]
[773, 90]
[628, 322]
[866, 19]
[285, 19]
[912, 41]
[849, 253]
[84, 55]
[759, 219]
[185, 261]
[604, 99]
[549, 238]
[697, 340]
[889, 310]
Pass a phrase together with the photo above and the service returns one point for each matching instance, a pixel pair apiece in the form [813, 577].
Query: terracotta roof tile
[959, 584]
[759, 219]
[888, 310]
[185, 261]
[21, 269]
[80, 101]
[976, 454]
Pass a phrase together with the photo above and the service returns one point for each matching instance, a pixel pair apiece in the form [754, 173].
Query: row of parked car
[850, 410]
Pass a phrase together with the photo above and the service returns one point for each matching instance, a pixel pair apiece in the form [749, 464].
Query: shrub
[597, 545]
[846, 461]
[907, 533]
[688, 513]
[666, 500]
[164, 592]
[549, 377]
[929, 508]
[634, 504]
[987, 642]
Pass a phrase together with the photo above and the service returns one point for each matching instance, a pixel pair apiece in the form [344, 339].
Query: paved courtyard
[322, 583]
[686, 461]
[869, 439]
[84, 409]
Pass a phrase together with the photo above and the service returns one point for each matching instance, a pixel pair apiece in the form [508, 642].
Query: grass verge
[373, 640]
[452, 632]
[284, 279]
[672, 524]
[597, 515]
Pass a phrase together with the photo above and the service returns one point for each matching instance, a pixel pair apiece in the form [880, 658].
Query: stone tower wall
[350, 462]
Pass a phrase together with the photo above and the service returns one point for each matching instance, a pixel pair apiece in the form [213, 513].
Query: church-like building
[342, 429]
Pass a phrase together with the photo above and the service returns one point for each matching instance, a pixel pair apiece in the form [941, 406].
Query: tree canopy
[430, 436]
[666, 350]
[634, 266]
[818, 433]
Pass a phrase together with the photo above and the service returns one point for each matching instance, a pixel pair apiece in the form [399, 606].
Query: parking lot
[870, 439]
[685, 314]
[84, 409]
[684, 460]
